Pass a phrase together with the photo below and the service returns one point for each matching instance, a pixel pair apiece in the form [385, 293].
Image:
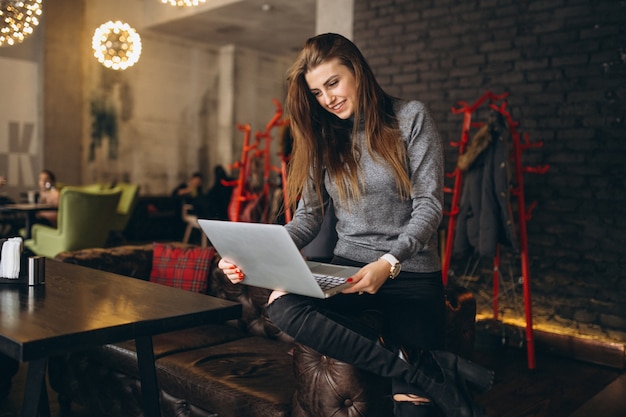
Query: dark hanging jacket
[485, 217]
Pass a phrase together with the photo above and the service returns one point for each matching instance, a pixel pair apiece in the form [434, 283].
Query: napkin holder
[32, 271]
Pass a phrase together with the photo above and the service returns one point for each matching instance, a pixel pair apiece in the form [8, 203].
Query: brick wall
[564, 64]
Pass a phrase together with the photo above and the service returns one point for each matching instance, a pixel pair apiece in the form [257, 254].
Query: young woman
[380, 160]
[48, 194]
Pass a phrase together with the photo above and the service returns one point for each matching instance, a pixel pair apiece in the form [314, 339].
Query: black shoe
[477, 376]
[447, 386]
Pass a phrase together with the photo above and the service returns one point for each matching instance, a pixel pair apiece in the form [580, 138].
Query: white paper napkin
[10, 258]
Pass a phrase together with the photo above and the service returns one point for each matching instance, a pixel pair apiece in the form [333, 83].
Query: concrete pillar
[223, 147]
[63, 115]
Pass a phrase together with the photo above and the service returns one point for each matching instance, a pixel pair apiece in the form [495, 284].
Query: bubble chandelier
[116, 45]
[183, 3]
[17, 20]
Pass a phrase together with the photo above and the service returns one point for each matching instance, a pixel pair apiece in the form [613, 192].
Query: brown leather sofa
[241, 368]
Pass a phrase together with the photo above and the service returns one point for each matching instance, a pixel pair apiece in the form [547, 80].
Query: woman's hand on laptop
[369, 279]
[234, 274]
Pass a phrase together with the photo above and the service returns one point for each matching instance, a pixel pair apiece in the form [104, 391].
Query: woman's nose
[328, 98]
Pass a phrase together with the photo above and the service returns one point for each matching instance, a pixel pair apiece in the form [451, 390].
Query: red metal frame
[238, 196]
[467, 111]
[524, 213]
[275, 121]
[249, 151]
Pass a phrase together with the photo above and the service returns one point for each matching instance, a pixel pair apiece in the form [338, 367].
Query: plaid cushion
[184, 268]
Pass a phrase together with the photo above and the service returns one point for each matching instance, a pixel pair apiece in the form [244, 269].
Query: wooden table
[79, 307]
[29, 209]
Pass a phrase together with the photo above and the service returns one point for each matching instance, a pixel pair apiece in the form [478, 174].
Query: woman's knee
[284, 310]
[274, 295]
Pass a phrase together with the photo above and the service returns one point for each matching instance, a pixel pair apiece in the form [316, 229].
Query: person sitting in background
[6, 220]
[218, 197]
[48, 194]
[190, 192]
[3, 198]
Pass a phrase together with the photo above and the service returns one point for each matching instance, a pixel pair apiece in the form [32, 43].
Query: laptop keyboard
[328, 281]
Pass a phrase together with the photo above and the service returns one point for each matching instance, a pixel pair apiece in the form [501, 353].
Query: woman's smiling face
[334, 87]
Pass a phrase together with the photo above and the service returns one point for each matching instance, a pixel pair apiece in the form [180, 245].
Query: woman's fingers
[232, 272]
[368, 279]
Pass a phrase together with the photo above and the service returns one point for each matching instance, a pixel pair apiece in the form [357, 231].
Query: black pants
[413, 316]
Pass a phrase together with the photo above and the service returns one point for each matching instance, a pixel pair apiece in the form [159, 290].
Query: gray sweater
[380, 221]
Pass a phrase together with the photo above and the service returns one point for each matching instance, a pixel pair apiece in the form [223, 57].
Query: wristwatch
[395, 265]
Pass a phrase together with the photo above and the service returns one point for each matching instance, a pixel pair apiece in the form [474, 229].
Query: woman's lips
[337, 108]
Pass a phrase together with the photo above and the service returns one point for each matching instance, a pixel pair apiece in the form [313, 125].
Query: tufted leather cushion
[327, 387]
[129, 260]
[245, 377]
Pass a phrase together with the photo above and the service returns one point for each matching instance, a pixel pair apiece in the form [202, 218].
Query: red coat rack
[240, 193]
[524, 214]
[275, 121]
[249, 151]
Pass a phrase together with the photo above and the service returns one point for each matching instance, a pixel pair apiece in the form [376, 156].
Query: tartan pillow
[184, 268]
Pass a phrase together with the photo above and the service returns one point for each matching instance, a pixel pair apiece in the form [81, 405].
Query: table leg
[28, 223]
[36, 393]
[44, 402]
[147, 374]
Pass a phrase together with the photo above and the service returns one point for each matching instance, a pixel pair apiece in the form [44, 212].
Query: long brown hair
[322, 140]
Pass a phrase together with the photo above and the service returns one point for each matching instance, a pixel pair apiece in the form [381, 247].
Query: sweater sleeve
[307, 219]
[426, 173]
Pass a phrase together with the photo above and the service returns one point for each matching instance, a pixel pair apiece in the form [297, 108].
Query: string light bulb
[18, 19]
[183, 3]
[116, 45]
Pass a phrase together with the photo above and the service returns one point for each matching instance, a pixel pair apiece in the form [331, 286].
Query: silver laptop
[270, 259]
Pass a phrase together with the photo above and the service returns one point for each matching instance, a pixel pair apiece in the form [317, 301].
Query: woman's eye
[333, 83]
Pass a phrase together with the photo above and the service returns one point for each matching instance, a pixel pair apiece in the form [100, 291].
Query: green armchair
[126, 205]
[85, 220]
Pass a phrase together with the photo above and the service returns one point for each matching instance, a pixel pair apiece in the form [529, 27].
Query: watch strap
[390, 258]
[394, 270]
